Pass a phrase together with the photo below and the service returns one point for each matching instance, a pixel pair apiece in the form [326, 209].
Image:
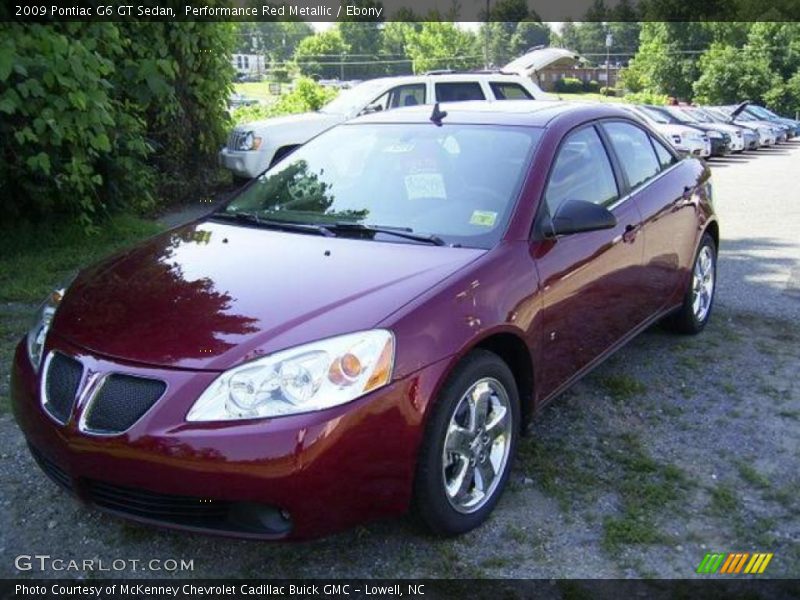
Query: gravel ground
[673, 448]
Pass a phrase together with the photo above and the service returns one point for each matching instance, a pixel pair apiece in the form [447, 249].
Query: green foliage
[307, 95]
[731, 75]
[441, 45]
[591, 86]
[608, 91]
[33, 258]
[647, 97]
[314, 54]
[277, 39]
[569, 85]
[99, 116]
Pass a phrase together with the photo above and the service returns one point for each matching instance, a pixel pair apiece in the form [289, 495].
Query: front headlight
[304, 379]
[250, 142]
[692, 135]
[37, 334]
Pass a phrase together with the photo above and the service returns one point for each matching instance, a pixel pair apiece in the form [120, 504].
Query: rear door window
[505, 90]
[635, 152]
[459, 91]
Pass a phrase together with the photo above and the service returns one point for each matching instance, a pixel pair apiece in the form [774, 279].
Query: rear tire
[692, 316]
[477, 418]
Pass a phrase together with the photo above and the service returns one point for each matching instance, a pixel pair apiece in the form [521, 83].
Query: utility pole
[609, 41]
[486, 39]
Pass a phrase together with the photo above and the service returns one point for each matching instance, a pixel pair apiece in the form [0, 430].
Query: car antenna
[437, 115]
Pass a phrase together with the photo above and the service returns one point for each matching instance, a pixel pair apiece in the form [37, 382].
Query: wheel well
[282, 152]
[713, 231]
[515, 354]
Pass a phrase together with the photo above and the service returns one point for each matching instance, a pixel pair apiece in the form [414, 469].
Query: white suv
[252, 147]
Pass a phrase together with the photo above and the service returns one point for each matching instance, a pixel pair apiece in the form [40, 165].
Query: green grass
[723, 500]
[35, 258]
[587, 97]
[751, 475]
[622, 387]
[258, 90]
[647, 489]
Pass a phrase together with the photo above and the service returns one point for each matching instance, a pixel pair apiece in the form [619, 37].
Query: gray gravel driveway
[673, 448]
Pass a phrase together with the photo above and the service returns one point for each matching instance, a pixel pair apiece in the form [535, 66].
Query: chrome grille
[121, 401]
[235, 139]
[62, 377]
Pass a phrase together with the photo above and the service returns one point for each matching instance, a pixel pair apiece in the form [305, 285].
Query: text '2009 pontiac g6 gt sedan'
[367, 326]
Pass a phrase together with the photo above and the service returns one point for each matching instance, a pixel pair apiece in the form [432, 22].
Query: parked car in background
[238, 100]
[735, 132]
[750, 135]
[759, 112]
[739, 116]
[252, 147]
[684, 137]
[426, 281]
[766, 133]
[720, 141]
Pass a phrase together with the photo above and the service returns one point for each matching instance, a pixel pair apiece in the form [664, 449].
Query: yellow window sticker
[425, 185]
[485, 218]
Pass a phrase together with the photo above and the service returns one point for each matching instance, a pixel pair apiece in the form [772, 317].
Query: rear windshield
[458, 182]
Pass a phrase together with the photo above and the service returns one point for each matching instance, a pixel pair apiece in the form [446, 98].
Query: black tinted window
[635, 152]
[459, 91]
[509, 91]
[582, 171]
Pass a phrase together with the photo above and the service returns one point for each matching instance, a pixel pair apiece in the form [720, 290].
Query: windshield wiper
[254, 219]
[403, 232]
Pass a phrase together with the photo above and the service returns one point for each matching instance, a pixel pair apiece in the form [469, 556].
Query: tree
[732, 74]
[395, 36]
[527, 35]
[441, 45]
[320, 55]
[364, 40]
[779, 43]
[277, 40]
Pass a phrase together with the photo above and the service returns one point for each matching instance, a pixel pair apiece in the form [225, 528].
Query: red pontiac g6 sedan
[369, 324]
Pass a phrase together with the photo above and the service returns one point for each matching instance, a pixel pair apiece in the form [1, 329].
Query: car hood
[317, 119]
[210, 295]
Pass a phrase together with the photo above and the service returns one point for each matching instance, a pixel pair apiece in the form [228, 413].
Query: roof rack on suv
[439, 72]
[496, 71]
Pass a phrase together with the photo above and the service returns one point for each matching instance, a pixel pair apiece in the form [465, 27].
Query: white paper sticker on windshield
[486, 218]
[425, 185]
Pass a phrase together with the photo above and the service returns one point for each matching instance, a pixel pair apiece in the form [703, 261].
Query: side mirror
[577, 216]
[371, 108]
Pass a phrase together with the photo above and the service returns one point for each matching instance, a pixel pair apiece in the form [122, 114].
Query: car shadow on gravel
[674, 447]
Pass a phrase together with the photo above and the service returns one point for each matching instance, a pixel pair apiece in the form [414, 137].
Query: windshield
[655, 114]
[700, 116]
[718, 114]
[456, 182]
[354, 99]
[679, 114]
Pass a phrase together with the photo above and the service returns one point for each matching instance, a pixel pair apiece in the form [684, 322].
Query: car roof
[534, 113]
[442, 77]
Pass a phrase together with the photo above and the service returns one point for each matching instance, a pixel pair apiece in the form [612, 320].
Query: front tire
[692, 316]
[469, 444]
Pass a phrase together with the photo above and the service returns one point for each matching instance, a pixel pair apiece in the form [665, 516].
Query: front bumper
[292, 477]
[244, 164]
[719, 147]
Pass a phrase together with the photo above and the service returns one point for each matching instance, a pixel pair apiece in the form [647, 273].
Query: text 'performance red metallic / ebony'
[367, 326]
